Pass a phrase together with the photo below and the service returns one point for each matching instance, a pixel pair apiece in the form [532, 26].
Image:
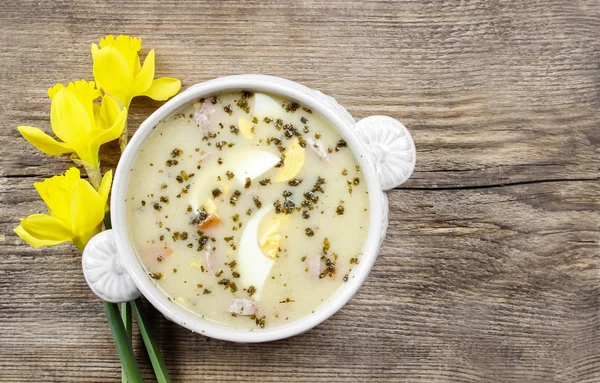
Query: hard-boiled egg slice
[245, 127]
[254, 267]
[210, 206]
[252, 163]
[269, 235]
[265, 106]
[292, 164]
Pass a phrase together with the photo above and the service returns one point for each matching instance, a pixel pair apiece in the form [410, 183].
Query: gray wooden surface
[490, 272]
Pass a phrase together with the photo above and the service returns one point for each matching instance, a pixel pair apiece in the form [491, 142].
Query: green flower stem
[160, 370]
[107, 222]
[78, 244]
[93, 171]
[125, 309]
[126, 317]
[158, 364]
[95, 177]
[128, 362]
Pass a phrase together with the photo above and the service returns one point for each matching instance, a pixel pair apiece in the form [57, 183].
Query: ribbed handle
[392, 147]
[103, 271]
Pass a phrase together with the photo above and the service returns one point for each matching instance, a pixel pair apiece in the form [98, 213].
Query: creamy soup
[247, 209]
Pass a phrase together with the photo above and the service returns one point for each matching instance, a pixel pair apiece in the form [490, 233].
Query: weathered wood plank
[491, 93]
[494, 284]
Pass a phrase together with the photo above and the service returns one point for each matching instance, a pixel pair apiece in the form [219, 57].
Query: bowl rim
[176, 313]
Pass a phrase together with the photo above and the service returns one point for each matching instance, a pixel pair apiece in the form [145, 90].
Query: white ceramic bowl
[385, 152]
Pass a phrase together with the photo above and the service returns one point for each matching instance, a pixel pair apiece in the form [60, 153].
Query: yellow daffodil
[76, 210]
[118, 71]
[82, 125]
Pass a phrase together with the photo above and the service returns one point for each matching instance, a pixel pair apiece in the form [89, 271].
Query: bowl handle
[103, 271]
[392, 147]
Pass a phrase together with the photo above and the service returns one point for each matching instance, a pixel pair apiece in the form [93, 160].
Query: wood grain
[491, 269]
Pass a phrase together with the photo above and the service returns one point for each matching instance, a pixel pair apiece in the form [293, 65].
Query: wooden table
[491, 268]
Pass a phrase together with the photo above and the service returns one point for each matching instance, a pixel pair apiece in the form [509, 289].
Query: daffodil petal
[163, 88]
[43, 142]
[110, 121]
[47, 227]
[70, 178]
[107, 112]
[137, 66]
[112, 74]
[87, 209]
[52, 91]
[104, 189]
[69, 119]
[33, 241]
[143, 80]
[112, 133]
[56, 193]
[95, 50]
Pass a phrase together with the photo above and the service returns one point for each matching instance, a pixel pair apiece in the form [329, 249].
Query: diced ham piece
[210, 221]
[202, 115]
[242, 306]
[157, 253]
[318, 149]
